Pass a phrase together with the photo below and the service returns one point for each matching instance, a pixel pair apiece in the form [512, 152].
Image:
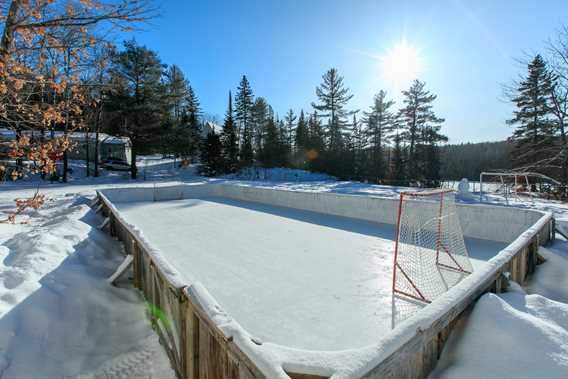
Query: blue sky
[467, 50]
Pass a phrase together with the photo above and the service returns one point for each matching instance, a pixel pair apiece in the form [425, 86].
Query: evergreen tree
[398, 174]
[533, 135]
[290, 120]
[302, 133]
[301, 137]
[229, 146]
[243, 117]
[138, 100]
[211, 155]
[421, 132]
[193, 112]
[260, 115]
[283, 147]
[270, 156]
[177, 87]
[359, 143]
[380, 122]
[315, 144]
[333, 97]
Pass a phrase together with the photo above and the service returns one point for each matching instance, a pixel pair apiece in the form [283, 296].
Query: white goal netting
[430, 252]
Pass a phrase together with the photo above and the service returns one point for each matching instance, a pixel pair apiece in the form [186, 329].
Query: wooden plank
[126, 263]
[293, 375]
[561, 232]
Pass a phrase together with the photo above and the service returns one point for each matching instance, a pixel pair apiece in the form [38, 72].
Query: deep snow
[511, 335]
[58, 315]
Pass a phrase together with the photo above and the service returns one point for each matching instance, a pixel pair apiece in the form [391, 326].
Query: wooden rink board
[197, 348]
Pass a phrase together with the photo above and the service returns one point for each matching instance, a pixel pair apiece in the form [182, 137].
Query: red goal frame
[439, 245]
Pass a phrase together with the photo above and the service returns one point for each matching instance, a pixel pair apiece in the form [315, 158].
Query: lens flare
[401, 65]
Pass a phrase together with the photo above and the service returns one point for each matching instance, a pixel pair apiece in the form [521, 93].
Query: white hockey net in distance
[430, 254]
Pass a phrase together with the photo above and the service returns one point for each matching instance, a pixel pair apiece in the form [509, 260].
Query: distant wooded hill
[468, 160]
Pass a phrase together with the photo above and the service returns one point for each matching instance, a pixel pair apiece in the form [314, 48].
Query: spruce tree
[290, 120]
[301, 137]
[359, 143]
[193, 114]
[243, 117]
[301, 134]
[315, 149]
[260, 115]
[229, 146]
[380, 122]
[398, 174]
[533, 135]
[272, 147]
[211, 155]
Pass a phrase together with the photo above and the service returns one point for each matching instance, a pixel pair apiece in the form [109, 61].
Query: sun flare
[401, 64]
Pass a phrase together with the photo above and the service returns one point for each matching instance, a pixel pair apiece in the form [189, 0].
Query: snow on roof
[209, 126]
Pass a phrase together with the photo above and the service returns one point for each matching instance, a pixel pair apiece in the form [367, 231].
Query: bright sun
[401, 65]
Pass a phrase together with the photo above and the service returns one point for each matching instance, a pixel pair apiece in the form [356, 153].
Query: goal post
[430, 255]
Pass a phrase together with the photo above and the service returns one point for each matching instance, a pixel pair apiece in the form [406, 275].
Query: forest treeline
[468, 160]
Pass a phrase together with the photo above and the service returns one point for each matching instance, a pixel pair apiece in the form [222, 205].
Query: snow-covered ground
[59, 317]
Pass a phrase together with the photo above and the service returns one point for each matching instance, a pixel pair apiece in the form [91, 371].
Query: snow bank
[58, 315]
[551, 278]
[512, 335]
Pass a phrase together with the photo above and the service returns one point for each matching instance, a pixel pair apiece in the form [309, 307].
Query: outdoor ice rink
[291, 277]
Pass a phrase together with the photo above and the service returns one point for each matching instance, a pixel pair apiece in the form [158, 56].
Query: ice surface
[291, 277]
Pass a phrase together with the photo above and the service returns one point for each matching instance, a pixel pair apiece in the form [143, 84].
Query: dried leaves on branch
[46, 57]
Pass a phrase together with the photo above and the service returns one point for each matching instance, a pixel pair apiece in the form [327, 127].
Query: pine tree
[229, 146]
[243, 117]
[380, 122]
[333, 97]
[177, 87]
[138, 98]
[533, 135]
[421, 128]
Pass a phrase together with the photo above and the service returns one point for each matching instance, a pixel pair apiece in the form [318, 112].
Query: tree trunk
[87, 158]
[9, 29]
[133, 168]
[97, 130]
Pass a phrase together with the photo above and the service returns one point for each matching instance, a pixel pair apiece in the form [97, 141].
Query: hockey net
[430, 254]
